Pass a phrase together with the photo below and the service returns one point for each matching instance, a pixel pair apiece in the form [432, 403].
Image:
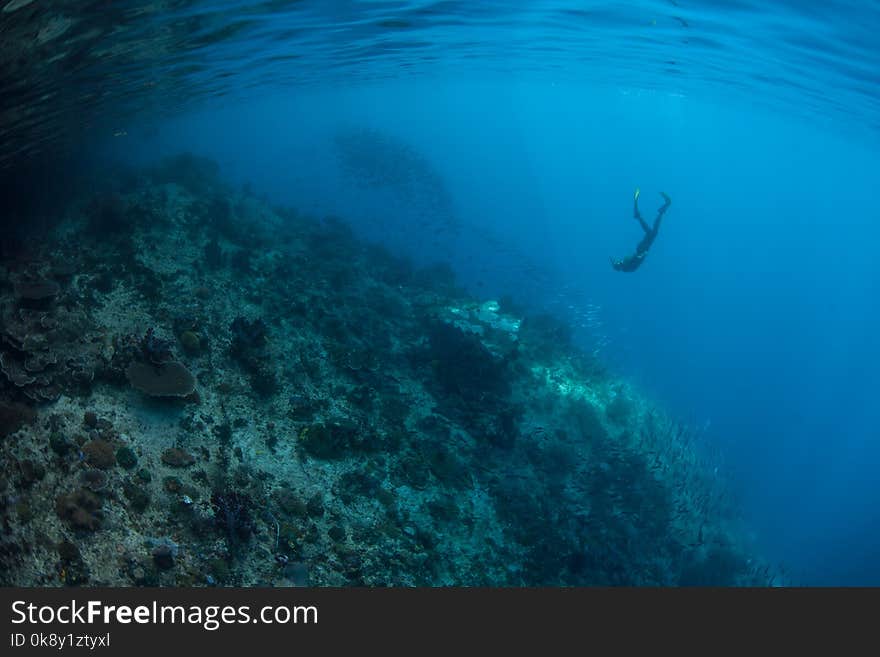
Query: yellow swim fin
[638, 191]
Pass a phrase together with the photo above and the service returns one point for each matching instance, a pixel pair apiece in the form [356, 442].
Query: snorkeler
[634, 261]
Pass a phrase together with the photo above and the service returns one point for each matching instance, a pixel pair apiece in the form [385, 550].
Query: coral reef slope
[201, 389]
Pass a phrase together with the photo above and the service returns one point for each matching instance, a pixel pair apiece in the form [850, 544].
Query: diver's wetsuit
[634, 261]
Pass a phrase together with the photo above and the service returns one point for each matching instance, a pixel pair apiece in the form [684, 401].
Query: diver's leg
[662, 210]
[638, 215]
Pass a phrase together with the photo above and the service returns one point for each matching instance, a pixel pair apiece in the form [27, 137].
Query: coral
[60, 444]
[620, 408]
[95, 480]
[291, 503]
[336, 440]
[315, 506]
[154, 350]
[190, 342]
[36, 290]
[170, 379]
[462, 365]
[247, 347]
[44, 352]
[501, 429]
[81, 509]
[99, 453]
[163, 557]
[214, 256]
[247, 335]
[585, 420]
[14, 416]
[126, 457]
[75, 571]
[30, 472]
[137, 496]
[232, 515]
[297, 572]
[547, 333]
[177, 458]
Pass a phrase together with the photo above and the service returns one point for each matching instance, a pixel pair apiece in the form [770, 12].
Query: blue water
[754, 315]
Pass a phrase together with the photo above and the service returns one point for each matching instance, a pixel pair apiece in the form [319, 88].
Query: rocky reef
[201, 389]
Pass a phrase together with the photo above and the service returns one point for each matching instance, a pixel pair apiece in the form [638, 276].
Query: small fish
[120, 133]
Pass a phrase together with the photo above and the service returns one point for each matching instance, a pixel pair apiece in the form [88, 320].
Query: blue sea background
[755, 315]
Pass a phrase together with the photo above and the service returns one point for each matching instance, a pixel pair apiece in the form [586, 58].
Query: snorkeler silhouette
[634, 261]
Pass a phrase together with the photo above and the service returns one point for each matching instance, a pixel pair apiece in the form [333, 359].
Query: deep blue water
[755, 313]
